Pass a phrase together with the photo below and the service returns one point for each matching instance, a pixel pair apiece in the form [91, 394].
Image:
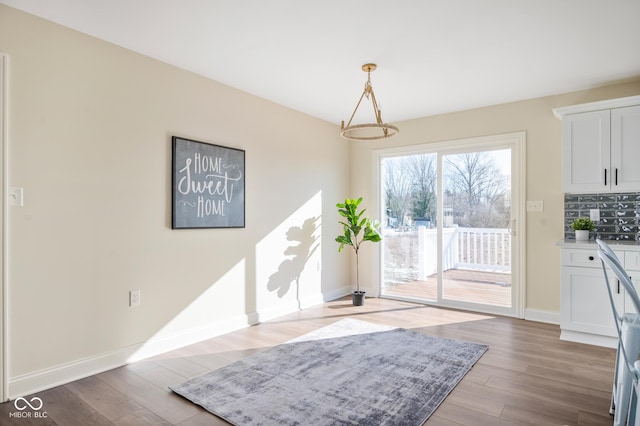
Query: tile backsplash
[619, 215]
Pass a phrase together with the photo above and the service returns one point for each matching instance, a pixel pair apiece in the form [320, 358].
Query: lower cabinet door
[585, 302]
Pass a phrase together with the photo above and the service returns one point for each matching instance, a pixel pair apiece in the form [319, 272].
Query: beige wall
[89, 140]
[543, 166]
[90, 126]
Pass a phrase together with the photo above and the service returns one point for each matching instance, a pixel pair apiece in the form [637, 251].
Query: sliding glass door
[449, 226]
[476, 239]
[409, 243]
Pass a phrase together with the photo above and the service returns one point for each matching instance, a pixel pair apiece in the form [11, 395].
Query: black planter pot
[358, 298]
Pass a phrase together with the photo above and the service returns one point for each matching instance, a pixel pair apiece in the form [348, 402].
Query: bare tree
[423, 184]
[397, 188]
[476, 189]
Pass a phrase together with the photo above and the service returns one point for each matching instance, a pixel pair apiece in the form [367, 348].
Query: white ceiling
[433, 56]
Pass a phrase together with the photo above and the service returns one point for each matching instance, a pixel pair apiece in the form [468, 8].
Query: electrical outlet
[535, 206]
[16, 197]
[134, 298]
[594, 215]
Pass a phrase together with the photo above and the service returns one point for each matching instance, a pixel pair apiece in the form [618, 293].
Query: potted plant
[582, 226]
[354, 225]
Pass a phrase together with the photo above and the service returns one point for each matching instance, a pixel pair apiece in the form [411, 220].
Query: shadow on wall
[284, 252]
[304, 242]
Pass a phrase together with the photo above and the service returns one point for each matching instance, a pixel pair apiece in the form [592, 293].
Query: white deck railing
[486, 249]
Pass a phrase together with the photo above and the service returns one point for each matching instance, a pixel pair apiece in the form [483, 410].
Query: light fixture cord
[368, 88]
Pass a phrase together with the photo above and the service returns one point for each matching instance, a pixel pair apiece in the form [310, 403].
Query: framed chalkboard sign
[208, 185]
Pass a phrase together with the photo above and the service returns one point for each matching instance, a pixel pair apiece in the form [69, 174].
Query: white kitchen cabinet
[586, 148]
[601, 146]
[585, 303]
[585, 310]
[625, 149]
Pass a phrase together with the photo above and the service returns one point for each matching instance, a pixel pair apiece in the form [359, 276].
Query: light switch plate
[16, 198]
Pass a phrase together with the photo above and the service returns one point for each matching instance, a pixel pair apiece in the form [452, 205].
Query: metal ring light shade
[368, 131]
[350, 132]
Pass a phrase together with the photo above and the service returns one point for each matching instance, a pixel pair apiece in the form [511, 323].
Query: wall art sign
[207, 185]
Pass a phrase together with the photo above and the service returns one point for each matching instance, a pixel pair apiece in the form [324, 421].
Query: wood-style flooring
[527, 377]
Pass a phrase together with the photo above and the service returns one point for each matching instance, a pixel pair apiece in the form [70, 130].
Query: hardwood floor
[527, 377]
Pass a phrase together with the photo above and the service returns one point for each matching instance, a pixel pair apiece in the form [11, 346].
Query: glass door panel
[410, 250]
[459, 256]
[476, 249]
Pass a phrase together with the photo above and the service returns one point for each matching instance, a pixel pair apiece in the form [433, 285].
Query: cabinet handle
[618, 286]
[591, 257]
[605, 177]
[616, 177]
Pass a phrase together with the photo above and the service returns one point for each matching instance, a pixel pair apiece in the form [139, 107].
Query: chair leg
[625, 388]
[633, 406]
[614, 391]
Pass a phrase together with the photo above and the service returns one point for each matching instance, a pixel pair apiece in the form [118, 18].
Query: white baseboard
[550, 317]
[276, 311]
[589, 339]
[289, 307]
[47, 378]
[307, 302]
[337, 294]
[37, 381]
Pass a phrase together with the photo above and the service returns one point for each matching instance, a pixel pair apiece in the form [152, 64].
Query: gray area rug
[349, 373]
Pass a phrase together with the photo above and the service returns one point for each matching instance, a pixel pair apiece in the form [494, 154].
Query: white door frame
[3, 227]
[518, 213]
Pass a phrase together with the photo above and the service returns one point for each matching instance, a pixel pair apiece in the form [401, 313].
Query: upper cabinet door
[586, 148]
[625, 149]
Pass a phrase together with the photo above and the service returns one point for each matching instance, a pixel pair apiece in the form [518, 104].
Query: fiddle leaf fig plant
[357, 229]
[583, 224]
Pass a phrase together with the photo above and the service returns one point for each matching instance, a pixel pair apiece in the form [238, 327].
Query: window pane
[476, 245]
[409, 193]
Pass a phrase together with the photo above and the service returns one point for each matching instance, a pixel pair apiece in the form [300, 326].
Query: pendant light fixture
[368, 131]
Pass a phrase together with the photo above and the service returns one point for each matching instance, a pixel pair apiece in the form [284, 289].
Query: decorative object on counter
[582, 226]
[351, 237]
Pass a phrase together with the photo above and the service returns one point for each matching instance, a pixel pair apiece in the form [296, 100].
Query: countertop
[591, 244]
